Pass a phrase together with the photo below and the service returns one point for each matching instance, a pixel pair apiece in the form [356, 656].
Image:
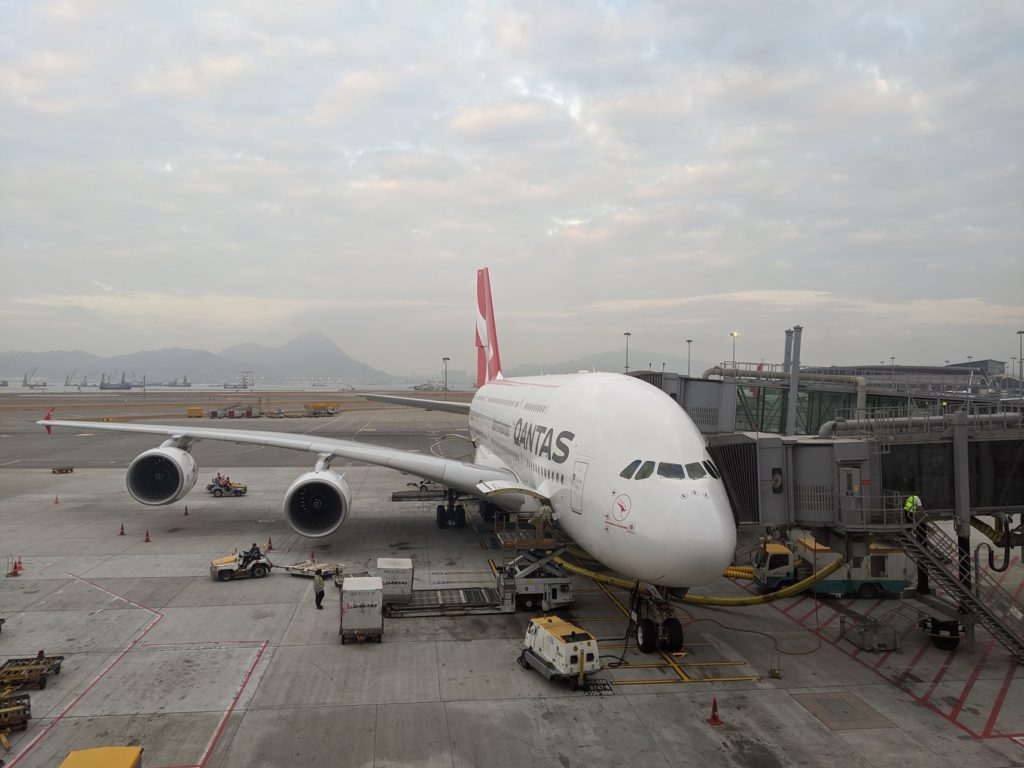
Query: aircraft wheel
[442, 516]
[225, 575]
[259, 571]
[674, 630]
[646, 635]
[460, 516]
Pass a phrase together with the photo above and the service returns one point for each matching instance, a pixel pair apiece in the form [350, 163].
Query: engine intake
[162, 476]
[317, 503]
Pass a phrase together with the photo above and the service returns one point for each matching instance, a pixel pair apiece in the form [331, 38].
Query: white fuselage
[572, 437]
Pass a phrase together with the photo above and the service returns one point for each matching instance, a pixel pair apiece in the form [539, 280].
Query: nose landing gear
[656, 625]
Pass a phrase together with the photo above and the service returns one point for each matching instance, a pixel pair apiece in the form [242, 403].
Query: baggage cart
[32, 671]
[362, 609]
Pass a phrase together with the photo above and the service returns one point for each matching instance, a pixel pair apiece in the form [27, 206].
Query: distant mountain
[309, 356]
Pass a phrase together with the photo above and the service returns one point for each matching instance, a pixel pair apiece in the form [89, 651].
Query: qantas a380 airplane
[624, 470]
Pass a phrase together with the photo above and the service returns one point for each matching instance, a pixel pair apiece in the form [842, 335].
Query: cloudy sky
[202, 174]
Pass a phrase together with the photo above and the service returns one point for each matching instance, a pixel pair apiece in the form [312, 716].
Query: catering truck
[885, 570]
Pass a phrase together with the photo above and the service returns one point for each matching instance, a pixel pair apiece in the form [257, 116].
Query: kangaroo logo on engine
[542, 441]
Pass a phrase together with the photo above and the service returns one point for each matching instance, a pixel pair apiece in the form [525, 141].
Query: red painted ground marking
[817, 606]
[78, 697]
[234, 702]
[969, 683]
[789, 608]
[1011, 670]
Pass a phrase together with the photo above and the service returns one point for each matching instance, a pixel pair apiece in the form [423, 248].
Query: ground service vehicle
[230, 567]
[223, 487]
[559, 650]
[883, 571]
[104, 757]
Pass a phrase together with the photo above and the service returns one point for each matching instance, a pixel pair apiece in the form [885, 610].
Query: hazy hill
[310, 356]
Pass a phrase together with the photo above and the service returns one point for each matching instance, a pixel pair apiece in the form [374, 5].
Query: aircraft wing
[418, 402]
[455, 474]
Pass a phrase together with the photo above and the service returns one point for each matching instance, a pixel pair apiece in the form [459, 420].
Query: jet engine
[162, 475]
[317, 503]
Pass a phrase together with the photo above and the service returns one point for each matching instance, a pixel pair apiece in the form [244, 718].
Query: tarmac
[248, 673]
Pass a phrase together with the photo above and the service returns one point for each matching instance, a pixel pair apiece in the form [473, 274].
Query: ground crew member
[911, 507]
[318, 588]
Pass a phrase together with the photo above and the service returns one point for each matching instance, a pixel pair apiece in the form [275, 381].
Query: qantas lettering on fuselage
[540, 440]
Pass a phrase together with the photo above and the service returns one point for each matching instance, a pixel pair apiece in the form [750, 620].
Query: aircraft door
[851, 500]
[579, 478]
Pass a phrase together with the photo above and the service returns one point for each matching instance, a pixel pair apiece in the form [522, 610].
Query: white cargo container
[362, 608]
[396, 573]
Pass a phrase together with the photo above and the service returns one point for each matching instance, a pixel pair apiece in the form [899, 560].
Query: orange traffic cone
[714, 719]
[186, 510]
[56, 500]
[122, 530]
[270, 544]
[18, 567]
[14, 568]
[146, 540]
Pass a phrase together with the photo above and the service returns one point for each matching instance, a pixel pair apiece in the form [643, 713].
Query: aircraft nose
[702, 537]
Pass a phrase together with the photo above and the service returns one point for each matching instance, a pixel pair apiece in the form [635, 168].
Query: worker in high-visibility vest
[911, 506]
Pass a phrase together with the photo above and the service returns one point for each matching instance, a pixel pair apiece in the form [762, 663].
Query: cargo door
[579, 479]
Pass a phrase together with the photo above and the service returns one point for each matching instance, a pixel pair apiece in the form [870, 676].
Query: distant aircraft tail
[488, 360]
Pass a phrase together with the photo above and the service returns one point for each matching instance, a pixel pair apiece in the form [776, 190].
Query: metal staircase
[990, 605]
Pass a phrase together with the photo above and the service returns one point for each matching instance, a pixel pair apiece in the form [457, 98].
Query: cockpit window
[673, 471]
[645, 471]
[695, 471]
[711, 468]
[628, 471]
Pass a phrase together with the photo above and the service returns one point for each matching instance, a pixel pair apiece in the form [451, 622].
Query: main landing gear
[655, 623]
[450, 514]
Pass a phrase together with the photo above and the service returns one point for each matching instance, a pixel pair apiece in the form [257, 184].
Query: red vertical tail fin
[48, 417]
[488, 360]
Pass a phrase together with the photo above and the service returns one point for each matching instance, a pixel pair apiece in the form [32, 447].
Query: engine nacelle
[317, 503]
[162, 476]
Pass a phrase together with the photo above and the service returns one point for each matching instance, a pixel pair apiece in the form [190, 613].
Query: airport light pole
[1020, 362]
[627, 334]
[662, 367]
[688, 343]
[734, 334]
[445, 361]
[892, 370]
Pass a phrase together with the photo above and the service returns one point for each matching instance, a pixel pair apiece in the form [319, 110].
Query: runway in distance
[624, 470]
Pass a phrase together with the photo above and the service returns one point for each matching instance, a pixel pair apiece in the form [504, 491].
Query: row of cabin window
[695, 470]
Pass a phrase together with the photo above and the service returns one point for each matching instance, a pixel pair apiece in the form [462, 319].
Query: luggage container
[396, 574]
[362, 608]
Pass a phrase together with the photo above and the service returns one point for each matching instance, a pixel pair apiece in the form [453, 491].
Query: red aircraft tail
[48, 417]
[488, 360]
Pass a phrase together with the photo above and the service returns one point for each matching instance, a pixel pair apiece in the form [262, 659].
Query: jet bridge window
[645, 471]
[628, 471]
[672, 471]
[696, 471]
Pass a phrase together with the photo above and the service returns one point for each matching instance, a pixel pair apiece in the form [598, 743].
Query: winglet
[48, 417]
[488, 360]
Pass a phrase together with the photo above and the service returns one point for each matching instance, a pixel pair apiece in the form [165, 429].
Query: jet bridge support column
[962, 502]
